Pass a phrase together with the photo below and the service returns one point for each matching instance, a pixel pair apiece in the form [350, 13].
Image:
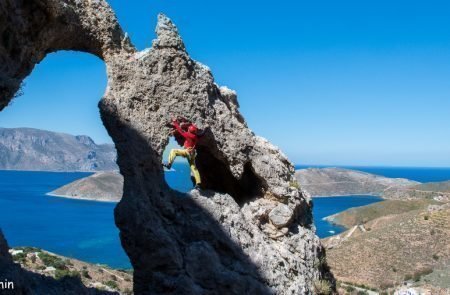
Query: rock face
[340, 182]
[222, 240]
[101, 186]
[4, 255]
[34, 149]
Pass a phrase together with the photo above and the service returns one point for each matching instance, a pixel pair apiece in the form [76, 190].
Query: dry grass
[398, 247]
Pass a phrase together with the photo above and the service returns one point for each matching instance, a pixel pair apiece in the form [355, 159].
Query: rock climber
[187, 135]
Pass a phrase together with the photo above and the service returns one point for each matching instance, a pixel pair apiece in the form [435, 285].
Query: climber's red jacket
[190, 139]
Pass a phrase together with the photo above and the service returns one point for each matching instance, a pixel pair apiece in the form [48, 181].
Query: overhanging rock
[250, 231]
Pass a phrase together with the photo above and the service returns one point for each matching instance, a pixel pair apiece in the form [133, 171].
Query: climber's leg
[194, 169]
[173, 154]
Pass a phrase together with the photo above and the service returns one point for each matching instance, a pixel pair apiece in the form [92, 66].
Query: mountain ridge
[32, 149]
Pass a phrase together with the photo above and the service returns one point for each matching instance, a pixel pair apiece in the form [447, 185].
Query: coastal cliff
[40, 150]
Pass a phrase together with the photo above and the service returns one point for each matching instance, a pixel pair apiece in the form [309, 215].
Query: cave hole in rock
[214, 172]
[179, 176]
[65, 135]
[217, 176]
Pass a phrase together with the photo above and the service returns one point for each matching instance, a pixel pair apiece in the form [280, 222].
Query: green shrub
[62, 273]
[349, 289]
[85, 274]
[19, 257]
[112, 284]
[294, 184]
[322, 287]
[51, 260]
[426, 217]
[361, 292]
[435, 257]
[408, 277]
[27, 250]
[423, 272]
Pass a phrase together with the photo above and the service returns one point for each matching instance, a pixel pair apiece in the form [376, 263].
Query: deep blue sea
[323, 207]
[85, 229]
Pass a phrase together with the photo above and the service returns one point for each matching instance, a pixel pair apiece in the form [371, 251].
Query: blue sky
[330, 82]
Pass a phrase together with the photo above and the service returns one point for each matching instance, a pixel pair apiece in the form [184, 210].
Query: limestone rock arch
[250, 231]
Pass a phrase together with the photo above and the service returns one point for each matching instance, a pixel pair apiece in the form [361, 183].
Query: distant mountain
[40, 150]
[102, 186]
[339, 181]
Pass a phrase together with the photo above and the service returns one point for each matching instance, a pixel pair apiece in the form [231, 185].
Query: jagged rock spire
[167, 34]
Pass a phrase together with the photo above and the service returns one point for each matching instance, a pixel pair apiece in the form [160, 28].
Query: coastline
[81, 198]
[341, 195]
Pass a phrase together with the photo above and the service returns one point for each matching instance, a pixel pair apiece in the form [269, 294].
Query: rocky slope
[34, 149]
[101, 186]
[33, 271]
[394, 246]
[249, 231]
[439, 191]
[339, 182]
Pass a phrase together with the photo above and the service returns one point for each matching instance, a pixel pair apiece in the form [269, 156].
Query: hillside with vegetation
[392, 243]
[431, 190]
[60, 268]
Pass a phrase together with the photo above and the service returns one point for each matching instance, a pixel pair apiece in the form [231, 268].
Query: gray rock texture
[220, 240]
[34, 149]
[4, 255]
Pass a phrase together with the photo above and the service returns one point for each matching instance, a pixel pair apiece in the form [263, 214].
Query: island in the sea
[101, 186]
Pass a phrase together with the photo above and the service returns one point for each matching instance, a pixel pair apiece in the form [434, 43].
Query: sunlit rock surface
[233, 236]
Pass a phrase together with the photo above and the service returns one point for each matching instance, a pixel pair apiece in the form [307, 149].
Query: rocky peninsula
[341, 182]
[101, 186]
